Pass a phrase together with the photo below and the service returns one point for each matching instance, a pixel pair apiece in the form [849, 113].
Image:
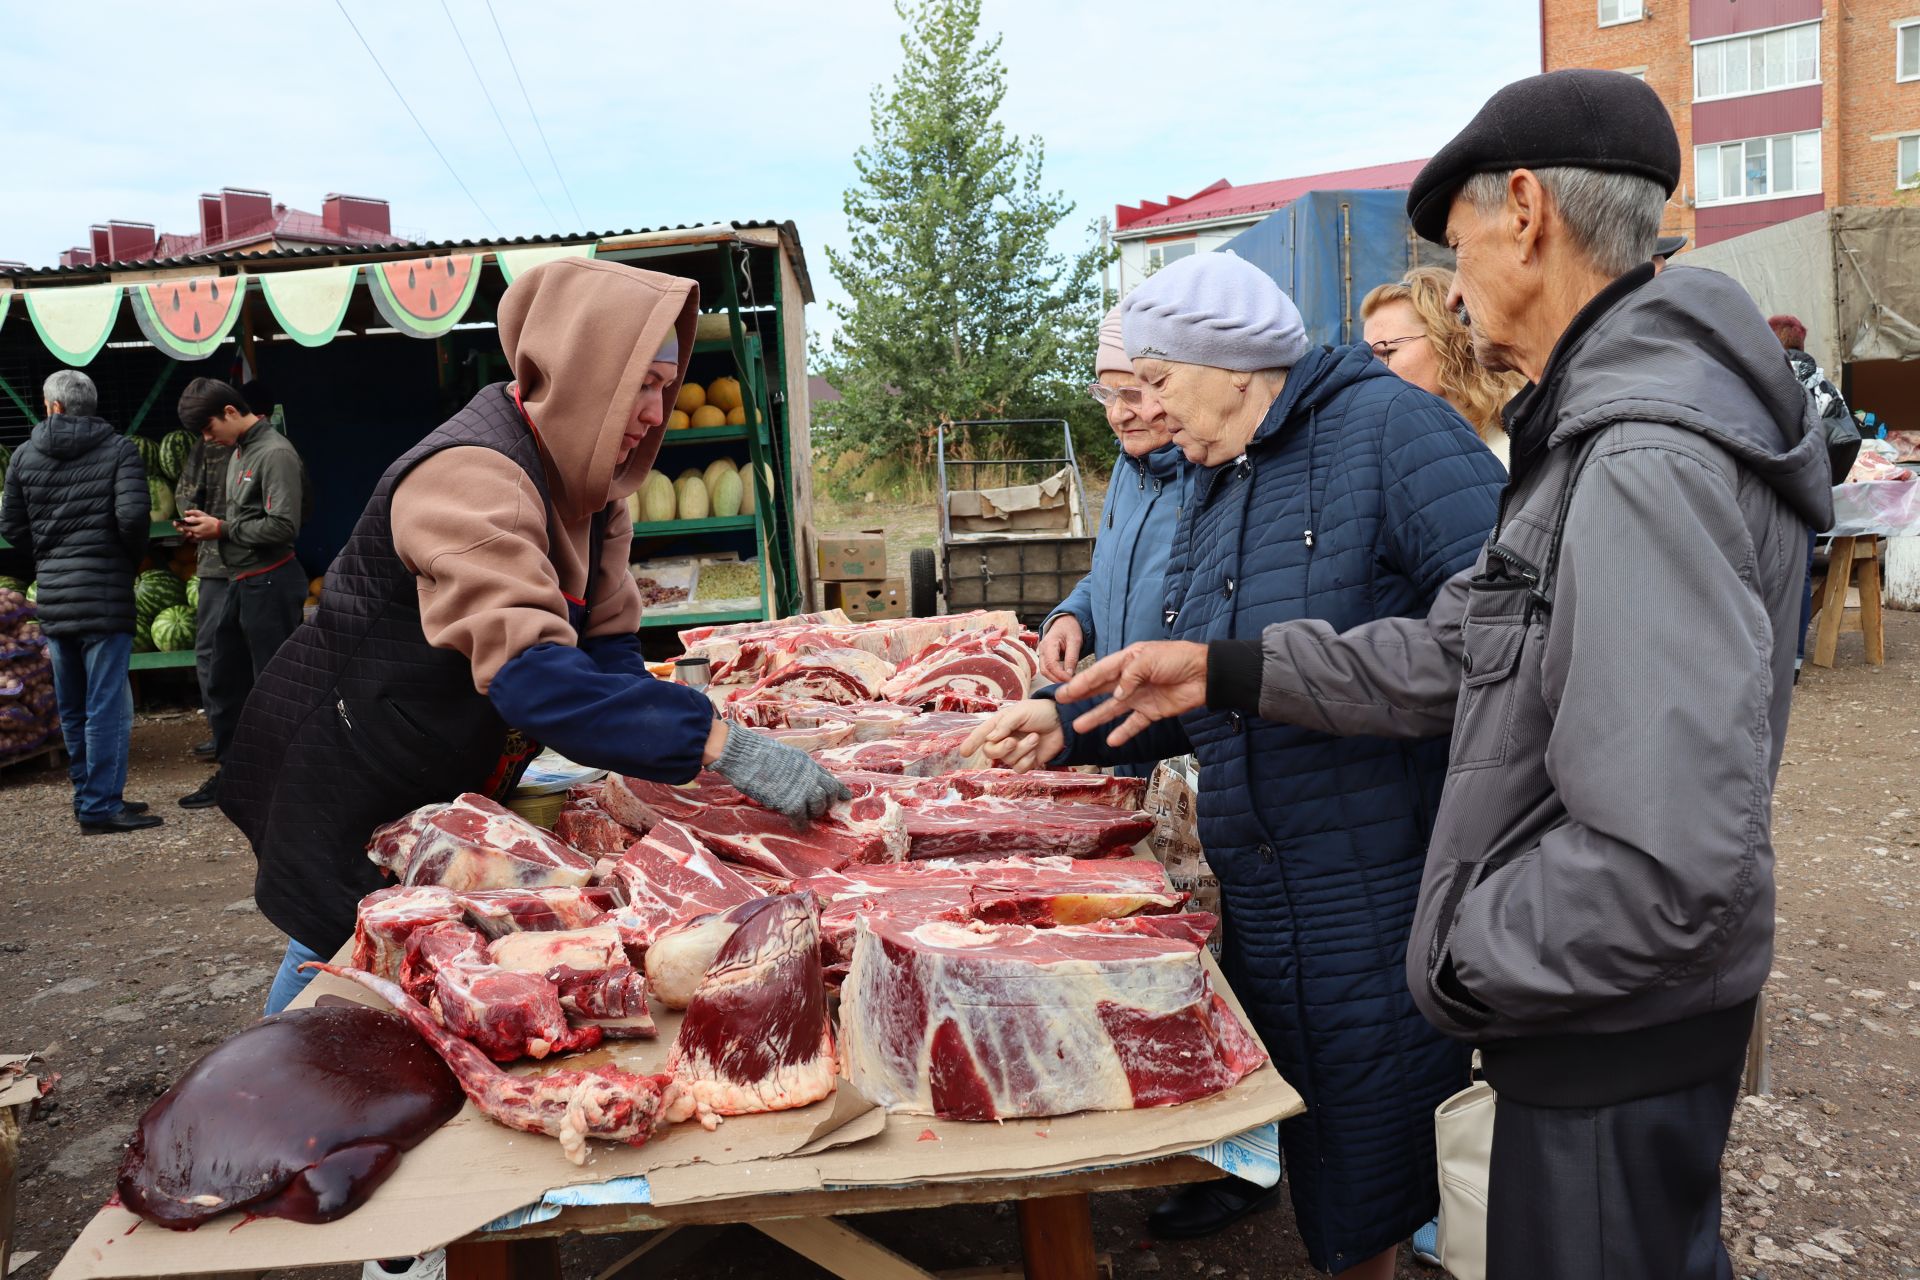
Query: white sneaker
[428, 1266]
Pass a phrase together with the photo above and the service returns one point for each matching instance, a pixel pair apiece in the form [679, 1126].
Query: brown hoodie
[470, 524]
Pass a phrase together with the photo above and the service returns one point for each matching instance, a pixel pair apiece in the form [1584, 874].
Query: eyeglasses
[1132, 397]
[1384, 350]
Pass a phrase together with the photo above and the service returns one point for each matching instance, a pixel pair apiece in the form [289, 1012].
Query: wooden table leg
[505, 1260]
[1870, 621]
[1056, 1237]
[1833, 605]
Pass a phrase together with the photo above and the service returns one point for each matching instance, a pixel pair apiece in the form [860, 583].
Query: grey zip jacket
[1602, 861]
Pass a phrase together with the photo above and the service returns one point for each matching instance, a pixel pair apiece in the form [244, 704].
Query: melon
[159, 500]
[715, 468]
[658, 501]
[425, 297]
[33, 591]
[690, 471]
[154, 590]
[172, 629]
[174, 448]
[149, 451]
[193, 595]
[725, 492]
[188, 319]
[676, 421]
[690, 495]
[724, 392]
[142, 637]
[691, 397]
[709, 416]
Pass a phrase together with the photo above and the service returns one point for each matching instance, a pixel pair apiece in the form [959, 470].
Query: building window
[1907, 43]
[1159, 255]
[1759, 63]
[1908, 175]
[1757, 168]
[1612, 11]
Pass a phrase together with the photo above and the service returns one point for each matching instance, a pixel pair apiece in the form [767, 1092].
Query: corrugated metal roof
[1222, 201]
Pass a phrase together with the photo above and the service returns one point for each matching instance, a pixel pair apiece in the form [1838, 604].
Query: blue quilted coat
[1359, 495]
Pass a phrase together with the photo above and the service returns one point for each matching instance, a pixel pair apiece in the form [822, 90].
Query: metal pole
[1106, 252]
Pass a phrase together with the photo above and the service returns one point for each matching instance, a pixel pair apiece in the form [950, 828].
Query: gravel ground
[123, 958]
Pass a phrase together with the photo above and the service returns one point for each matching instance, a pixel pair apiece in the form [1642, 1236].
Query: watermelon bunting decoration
[425, 297]
[154, 590]
[172, 629]
[188, 319]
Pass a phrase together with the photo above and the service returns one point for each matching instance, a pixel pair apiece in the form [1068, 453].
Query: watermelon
[142, 638]
[6, 456]
[13, 584]
[174, 448]
[189, 319]
[172, 629]
[154, 590]
[193, 594]
[159, 500]
[149, 454]
[33, 591]
[425, 297]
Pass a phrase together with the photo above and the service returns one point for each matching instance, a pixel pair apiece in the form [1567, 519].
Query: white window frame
[1638, 14]
[1697, 45]
[1910, 179]
[1156, 253]
[1900, 29]
[1773, 188]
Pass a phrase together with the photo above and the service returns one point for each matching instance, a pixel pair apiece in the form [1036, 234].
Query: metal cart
[1027, 570]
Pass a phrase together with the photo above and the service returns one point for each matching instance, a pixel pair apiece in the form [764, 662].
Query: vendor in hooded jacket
[482, 609]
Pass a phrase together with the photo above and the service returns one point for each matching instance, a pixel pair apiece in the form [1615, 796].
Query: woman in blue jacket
[1325, 487]
[1123, 598]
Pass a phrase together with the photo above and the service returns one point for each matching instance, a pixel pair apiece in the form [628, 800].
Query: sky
[665, 114]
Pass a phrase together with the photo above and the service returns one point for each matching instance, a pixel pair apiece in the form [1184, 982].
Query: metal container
[692, 672]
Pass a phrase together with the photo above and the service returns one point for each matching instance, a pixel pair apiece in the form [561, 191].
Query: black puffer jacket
[76, 500]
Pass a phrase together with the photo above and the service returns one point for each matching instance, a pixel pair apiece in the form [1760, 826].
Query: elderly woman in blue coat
[1324, 487]
[1123, 598]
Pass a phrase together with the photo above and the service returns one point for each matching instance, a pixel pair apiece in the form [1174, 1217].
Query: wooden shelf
[160, 661]
[712, 524]
[701, 618]
[703, 435]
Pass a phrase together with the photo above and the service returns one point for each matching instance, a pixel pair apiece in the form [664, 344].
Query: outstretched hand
[1020, 736]
[1149, 681]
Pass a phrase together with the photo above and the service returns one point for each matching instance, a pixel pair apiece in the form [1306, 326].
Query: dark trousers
[1624, 1192]
[212, 598]
[96, 717]
[256, 615]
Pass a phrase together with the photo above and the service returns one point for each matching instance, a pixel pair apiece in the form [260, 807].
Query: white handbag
[1463, 1140]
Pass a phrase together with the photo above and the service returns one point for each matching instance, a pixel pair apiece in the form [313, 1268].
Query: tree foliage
[959, 307]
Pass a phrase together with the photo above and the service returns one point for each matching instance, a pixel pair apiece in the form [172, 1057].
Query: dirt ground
[124, 958]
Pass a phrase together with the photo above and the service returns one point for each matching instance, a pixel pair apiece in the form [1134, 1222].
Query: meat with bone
[983, 1022]
[598, 986]
[812, 737]
[871, 827]
[669, 877]
[923, 756]
[679, 958]
[474, 843]
[507, 1014]
[573, 1106]
[299, 1116]
[1062, 786]
[992, 666]
[386, 918]
[583, 824]
[827, 675]
[745, 653]
[989, 826]
[498, 912]
[757, 1036]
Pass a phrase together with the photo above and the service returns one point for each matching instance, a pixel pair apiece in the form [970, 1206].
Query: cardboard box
[866, 601]
[853, 557]
[1049, 507]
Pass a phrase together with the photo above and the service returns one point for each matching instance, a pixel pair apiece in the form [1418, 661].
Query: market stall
[364, 351]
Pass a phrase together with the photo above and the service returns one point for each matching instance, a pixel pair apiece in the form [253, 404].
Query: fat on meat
[870, 827]
[474, 843]
[584, 824]
[506, 1014]
[992, 666]
[668, 877]
[597, 985]
[992, 826]
[387, 918]
[982, 1022]
[498, 912]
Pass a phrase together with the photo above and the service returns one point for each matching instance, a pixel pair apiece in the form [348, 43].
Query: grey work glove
[778, 776]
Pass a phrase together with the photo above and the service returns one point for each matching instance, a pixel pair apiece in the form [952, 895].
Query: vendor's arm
[615, 595]
[489, 591]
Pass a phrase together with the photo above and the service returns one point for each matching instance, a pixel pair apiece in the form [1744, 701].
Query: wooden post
[1759, 1056]
[1833, 606]
[505, 1260]
[1870, 623]
[1056, 1237]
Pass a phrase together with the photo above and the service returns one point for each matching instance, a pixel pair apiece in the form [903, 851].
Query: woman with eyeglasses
[1410, 328]
[1122, 598]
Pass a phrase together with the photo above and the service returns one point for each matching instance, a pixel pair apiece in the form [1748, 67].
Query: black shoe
[204, 796]
[134, 806]
[1207, 1207]
[204, 750]
[125, 820]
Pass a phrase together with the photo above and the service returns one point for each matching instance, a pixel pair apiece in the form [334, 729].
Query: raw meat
[827, 675]
[679, 958]
[603, 1102]
[586, 826]
[598, 986]
[300, 1116]
[507, 1014]
[474, 843]
[813, 737]
[990, 666]
[924, 756]
[983, 1022]
[756, 1036]
[742, 654]
[1062, 785]
[993, 827]
[669, 877]
[498, 912]
[386, 918]
[871, 827]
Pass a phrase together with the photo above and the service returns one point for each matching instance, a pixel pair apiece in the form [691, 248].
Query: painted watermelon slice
[188, 319]
[425, 297]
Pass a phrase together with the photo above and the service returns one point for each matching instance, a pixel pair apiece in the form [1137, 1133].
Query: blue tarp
[1328, 248]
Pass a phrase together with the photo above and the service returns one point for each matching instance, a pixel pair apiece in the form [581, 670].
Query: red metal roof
[1224, 200]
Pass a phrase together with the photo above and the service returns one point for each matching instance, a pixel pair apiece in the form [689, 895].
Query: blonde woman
[1409, 327]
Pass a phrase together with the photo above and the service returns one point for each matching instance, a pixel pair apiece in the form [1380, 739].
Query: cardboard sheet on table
[462, 1177]
[16, 1086]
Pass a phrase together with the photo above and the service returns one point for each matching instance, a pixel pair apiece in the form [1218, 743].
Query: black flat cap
[1582, 119]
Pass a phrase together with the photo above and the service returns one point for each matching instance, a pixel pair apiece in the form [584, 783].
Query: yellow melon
[691, 397]
[709, 416]
[724, 392]
[737, 416]
[678, 421]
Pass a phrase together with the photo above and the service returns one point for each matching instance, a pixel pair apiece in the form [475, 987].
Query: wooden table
[1853, 570]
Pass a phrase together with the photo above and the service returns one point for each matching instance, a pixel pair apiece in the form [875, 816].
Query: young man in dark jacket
[203, 487]
[1616, 670]
[76, 500]
[265, 492]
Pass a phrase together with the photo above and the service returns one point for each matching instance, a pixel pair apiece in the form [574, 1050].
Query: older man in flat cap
[1597, 909]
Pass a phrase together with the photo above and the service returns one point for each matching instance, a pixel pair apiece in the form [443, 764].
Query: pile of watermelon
[164, 609]
[164, 458]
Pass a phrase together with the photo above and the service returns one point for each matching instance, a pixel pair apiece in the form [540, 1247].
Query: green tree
[959, 306]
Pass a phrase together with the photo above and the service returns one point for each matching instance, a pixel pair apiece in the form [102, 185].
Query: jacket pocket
[1493, 636]
[1446, 996]
[396, 740]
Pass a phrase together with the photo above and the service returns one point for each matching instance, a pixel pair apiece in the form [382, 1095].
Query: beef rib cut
[988, 826]
[598, 986]
[983, 1022]
[871, 827]
[386, 918]
[668, 877]
[507, 1014]
[585, 825]
[498, 912]
[756, 1036]
[991, 666]
[474, 843]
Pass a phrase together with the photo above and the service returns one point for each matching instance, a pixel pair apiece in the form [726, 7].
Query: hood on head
[1320, 374]
[1690, 349]
[67, 437]
[579, 335]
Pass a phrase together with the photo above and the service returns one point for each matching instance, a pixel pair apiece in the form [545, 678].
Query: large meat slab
[668, 878]
[474, 843]
[982, 1022]
[869, 828]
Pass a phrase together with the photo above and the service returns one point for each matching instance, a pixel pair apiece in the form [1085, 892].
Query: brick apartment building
[1784, 107]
